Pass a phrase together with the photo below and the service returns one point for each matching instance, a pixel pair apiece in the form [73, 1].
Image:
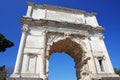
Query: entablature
[61, 25]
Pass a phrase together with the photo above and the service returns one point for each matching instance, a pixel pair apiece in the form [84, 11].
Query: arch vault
[47, 29]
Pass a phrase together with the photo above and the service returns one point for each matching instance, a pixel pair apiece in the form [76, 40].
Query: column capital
[25, 28]
[44, 32]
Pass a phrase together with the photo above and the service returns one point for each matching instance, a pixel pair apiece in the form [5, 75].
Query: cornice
[30, 4]
[46, 22]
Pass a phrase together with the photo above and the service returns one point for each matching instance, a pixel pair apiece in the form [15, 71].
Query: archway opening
[72, 49]
[61, 67]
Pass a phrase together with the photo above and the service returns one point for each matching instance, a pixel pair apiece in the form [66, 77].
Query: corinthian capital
[25, 28]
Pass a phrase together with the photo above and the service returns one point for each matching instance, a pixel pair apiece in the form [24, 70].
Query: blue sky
[108, 15]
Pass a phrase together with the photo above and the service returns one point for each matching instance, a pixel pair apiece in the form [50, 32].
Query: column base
[15, 76]
[25, 75]
[105, 77]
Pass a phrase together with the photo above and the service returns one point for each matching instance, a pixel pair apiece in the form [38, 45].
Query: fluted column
[18, 65]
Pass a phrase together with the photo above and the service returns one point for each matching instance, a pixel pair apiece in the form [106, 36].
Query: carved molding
[45, 22]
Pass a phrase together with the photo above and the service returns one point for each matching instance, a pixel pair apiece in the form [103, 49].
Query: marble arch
[46, 29]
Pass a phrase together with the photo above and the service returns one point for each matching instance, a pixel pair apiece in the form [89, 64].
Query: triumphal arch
[47, 29]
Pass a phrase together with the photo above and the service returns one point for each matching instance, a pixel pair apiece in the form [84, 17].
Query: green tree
[4, 43]
[2, 72]
[117, 71]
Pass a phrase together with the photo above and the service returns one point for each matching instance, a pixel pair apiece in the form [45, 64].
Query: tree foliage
[2, 73]
[4, 43]
[117, 71]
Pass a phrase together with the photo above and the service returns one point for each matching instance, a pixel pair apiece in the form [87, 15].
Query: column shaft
[20, 54]
[18, 65]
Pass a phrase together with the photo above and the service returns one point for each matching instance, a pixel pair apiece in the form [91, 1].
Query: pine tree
[4, 43]
[117, 71]
[2, 73]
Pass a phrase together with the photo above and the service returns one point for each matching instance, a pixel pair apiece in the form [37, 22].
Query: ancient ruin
[47, 29]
